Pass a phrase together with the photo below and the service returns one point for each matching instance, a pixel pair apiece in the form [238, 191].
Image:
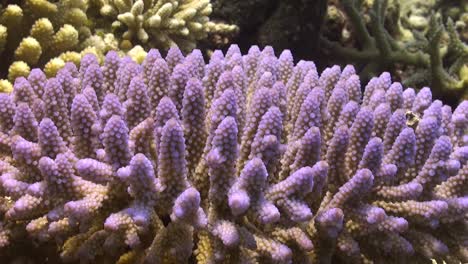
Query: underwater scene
[233, 131]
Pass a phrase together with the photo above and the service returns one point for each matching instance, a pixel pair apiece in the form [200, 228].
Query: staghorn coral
[49, 34]
[458, 12]
[254, 160]
[406, 37]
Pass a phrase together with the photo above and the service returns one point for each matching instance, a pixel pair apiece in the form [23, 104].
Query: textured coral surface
[46, 33]
[247, 159]
[411, 38]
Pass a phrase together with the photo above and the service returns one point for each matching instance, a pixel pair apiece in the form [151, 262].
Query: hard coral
[415, 42]
[248, 159]
[163, 23]
[39, 33]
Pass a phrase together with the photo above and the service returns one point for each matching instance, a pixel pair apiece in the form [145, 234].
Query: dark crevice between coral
[294, 25]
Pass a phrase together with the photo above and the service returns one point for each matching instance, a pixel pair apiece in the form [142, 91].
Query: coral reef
[458, 12]
[51, 33]
[39, 33]
[163, 23]
[247, 159]
[415, 15]
[407, 39]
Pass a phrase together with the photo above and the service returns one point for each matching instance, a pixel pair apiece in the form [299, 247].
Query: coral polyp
[246, 159]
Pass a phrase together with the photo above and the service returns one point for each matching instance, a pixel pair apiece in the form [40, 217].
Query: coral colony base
[248, 159]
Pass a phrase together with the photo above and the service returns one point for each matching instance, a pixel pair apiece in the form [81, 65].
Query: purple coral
[247, 159]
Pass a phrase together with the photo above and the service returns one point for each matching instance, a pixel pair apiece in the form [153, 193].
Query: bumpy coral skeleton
[248, 159]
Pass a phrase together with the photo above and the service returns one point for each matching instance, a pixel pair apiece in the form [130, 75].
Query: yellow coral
[53, 66]
[165, 23]
[59, 30]
[41, 8]
[219, 27]
[71, 56]
[102, 43]
[12, 19]
[18, 69]
[76, 17]
[138, 54]
[5, 86]
[65, 39]
[12, 16]
[43, 31]
[29, 51]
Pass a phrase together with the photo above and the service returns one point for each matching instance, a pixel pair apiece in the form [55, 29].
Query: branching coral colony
[444, 67]
[248, 159]
[53, 33]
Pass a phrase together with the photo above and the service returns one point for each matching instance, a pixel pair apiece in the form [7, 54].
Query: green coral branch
[359, 26]
[377, 50]
[379, 47]
[439, 76]
[377, 15]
